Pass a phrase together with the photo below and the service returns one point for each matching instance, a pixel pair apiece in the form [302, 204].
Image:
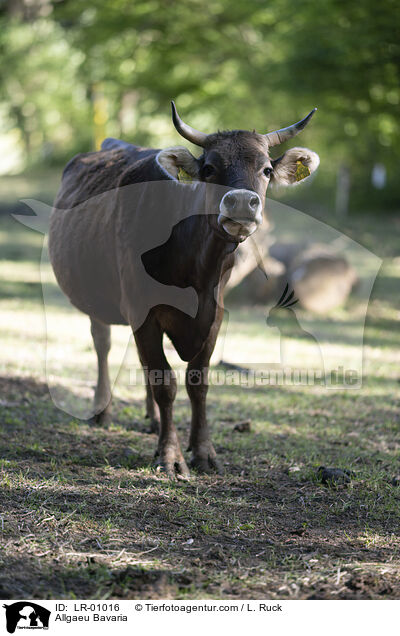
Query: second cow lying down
[101, 257]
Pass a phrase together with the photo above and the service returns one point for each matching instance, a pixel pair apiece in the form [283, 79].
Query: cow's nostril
[254, 202]
[230, 201]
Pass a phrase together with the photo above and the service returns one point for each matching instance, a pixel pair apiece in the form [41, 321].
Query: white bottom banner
[140, 616]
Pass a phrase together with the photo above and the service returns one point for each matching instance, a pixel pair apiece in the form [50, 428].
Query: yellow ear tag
[184, 176]
[302, 171]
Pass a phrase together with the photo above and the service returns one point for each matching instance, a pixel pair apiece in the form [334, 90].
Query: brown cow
[92, 259]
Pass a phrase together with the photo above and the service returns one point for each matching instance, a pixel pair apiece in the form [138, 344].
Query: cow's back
[82, 228]
[89, 174]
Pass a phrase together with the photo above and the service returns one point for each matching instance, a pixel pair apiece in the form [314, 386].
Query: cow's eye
[208, 170]
[268, 172]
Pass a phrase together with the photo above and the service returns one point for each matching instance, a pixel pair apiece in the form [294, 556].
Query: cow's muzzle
[240, 213]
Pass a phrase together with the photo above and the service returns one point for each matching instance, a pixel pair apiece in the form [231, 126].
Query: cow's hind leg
[101, 334]
[162, 382]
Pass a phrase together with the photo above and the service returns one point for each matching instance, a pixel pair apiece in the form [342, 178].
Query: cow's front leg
[204, 457]
[162, 381]
[168, 455]
[152, 410]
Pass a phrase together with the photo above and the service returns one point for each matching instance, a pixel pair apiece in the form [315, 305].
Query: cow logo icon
[26, 615]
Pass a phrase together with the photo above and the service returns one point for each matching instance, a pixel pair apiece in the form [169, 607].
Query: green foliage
[231, 65]
[39, 90]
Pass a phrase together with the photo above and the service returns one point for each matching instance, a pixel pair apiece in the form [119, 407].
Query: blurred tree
[39, 90]
[242, 64]
[348, 56]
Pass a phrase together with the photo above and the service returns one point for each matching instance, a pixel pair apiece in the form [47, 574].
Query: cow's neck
[198, 259]
[207, 260]
[193, 257]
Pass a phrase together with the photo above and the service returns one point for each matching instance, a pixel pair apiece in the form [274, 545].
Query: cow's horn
[280, 136]
[189, 133]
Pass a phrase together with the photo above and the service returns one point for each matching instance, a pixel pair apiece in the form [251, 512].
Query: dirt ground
[83, 515]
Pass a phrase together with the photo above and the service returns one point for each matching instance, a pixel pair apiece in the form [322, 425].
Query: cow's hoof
[177, 470]
[207, 465]
[154, 427]
[103, 419]
[172, 465]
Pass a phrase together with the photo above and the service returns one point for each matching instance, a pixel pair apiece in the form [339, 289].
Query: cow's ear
[294, 166]
[172, 160]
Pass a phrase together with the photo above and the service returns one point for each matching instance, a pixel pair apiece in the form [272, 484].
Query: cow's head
[240, 160]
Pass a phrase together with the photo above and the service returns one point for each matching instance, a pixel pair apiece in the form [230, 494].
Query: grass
[83, 514]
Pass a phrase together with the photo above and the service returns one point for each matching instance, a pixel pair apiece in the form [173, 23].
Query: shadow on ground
[84, 515]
